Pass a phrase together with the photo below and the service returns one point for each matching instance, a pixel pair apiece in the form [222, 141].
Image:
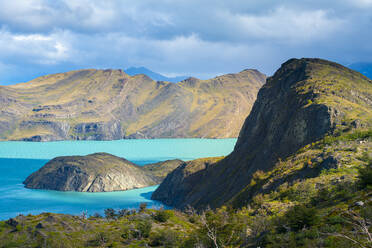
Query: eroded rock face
[100, 172]
[299, 105]
[98, 131]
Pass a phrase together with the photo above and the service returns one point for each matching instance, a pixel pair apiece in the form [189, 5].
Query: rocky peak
[305, 100]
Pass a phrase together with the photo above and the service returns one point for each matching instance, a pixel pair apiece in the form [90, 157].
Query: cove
[19, 159]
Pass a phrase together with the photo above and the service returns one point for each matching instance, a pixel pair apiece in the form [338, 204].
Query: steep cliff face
[109, 104]
[303, 102]
[99, 172]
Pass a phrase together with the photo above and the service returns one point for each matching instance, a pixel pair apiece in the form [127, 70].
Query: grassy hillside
[340, 216]
[109, 104]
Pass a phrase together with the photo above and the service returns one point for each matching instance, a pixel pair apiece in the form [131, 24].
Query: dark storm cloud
[200, 38]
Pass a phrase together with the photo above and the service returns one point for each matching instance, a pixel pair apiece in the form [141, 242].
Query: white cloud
[362, 3]
[31, 37]
[201, 38]
[290, 25]
[34, 48]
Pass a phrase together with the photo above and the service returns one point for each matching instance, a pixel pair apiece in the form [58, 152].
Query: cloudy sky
[202, 38]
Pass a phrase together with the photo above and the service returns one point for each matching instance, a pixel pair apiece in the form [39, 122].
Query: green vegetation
[163, 215]
[322, 222]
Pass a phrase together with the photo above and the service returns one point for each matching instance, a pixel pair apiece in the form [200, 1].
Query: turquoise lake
[19, 159]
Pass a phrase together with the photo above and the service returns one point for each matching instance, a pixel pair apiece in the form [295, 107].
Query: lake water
[19, 159]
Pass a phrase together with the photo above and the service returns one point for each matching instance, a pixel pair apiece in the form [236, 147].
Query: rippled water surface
[19, 159]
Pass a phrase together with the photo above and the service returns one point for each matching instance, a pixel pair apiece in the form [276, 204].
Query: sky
[201, 38]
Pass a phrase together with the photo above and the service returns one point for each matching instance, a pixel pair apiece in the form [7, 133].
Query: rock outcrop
[99, 172]
[305, 101]
[109, 104]
[175, 187]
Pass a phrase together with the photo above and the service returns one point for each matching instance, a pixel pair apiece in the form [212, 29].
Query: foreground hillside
[98, 172]
[338, 217]
[109, 104]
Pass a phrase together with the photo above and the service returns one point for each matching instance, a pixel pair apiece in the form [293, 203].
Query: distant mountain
[109, 104]
[364, 68]
[132, 71]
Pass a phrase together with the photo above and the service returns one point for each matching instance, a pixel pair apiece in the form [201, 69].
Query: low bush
[365, 176]
[300, 217]
[162, 215]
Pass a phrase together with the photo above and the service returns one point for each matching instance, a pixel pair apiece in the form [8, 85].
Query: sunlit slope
[109, 104]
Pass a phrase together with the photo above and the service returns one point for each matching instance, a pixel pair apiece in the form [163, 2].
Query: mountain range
[133, 71]
[109, 104]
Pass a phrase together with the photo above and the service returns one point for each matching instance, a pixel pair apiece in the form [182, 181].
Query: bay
[19, 159]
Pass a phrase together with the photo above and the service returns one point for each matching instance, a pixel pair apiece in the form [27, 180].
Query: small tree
[84, 215]
[365, 176]
[300, 217]
[110, 213]
[144, 228]
[97, 215]
[122, 213]
[142, 207]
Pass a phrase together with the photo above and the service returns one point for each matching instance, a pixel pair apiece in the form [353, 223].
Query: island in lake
[99, 172]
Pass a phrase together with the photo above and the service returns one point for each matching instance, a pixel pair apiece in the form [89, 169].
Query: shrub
[126, 233]
[96, 215]
[144, 228]
[123, 212]
[365, 176]
[300, 217]
[163, 215]
[110, 213]
[142, 207]
[166, 238]
[323, 195]
[99, 240]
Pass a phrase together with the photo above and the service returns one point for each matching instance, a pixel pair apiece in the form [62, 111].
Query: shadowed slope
[303, 102]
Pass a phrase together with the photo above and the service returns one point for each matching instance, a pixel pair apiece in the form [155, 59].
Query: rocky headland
[312, 115]
[99, 172]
